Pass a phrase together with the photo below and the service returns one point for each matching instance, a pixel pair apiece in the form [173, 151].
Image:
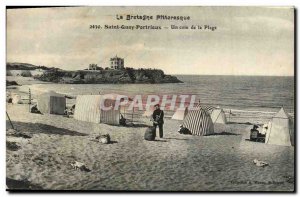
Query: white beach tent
[280, 130]
[51, 103]
[199, 122]
[218, 116]
[180, 114]
[88, 108]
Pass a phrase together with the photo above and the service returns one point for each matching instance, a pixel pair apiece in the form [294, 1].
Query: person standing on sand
[158, 119]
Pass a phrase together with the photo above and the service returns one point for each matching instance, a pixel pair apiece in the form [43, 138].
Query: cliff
[25, 66]
[128, 75]
[108, 76]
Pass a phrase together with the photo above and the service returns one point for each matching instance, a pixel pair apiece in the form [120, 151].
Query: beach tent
[16, 99]
[218, 116]
[51, 103]
[180, 114]
[88, 108]
[199, 122]
[208, 108]
[280, 130]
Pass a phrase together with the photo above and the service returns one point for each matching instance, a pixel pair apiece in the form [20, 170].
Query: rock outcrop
[124, 76]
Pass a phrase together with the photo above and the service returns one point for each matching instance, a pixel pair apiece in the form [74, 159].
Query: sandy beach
[220, 162]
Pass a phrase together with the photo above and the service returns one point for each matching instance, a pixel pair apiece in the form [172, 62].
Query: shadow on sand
[224, 133]
[245, 123]
[132, 125]
[12, 146]
[259, 141]
[173, 138]
[137, 125]
[15, 185]
[35, 128]
[160, 140]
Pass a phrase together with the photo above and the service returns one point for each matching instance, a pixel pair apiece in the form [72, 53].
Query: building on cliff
[94, 67]
[117, 63]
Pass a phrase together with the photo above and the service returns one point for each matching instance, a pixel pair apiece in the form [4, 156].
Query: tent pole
[132, 115]
[10, 120]
[29, 97]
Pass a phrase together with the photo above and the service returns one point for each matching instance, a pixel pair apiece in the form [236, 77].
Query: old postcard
[150, 98]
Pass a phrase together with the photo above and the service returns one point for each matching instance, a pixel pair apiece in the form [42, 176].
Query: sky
[247, 41]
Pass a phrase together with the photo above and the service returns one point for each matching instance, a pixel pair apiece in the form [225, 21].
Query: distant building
[117, 63]
[93, 67]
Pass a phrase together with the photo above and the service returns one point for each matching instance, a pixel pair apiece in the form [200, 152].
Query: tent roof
[52, 93]
[207, 108]
[281, 114]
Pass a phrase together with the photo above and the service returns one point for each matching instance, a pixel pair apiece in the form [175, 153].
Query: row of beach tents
[87, 107]
[200, 120]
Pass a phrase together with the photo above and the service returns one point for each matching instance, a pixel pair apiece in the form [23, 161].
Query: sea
[257, 94]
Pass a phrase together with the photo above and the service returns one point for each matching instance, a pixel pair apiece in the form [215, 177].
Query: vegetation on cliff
[25, 66]
[11, 83]
[127, 75]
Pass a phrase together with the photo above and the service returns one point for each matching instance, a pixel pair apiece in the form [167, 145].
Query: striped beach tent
[199, 122]
[208, 108]
[88, 108]
[217, 114]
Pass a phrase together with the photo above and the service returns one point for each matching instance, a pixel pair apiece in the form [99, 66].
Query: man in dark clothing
[158, 119]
